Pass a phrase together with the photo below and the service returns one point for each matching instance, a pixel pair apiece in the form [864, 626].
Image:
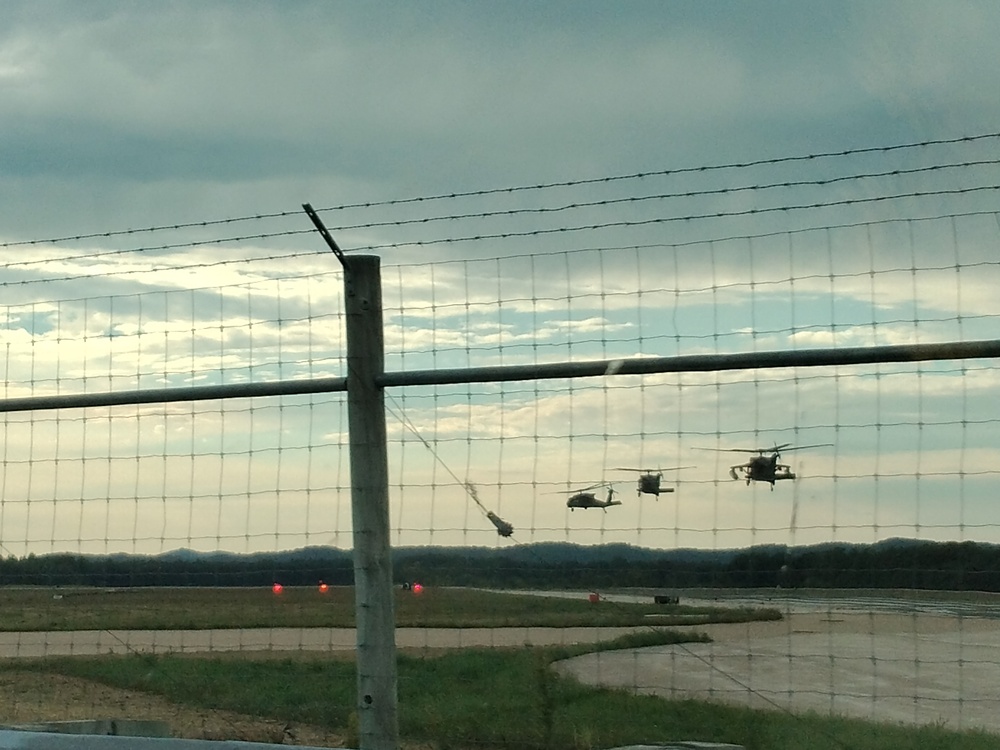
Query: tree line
[898, 563]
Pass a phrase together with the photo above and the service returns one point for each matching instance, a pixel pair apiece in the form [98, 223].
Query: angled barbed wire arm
[325, 233]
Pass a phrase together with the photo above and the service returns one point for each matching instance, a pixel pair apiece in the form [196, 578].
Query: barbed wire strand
[672, 219]
[658, 196]
[515, 189]
[524, 211]
[672, 245]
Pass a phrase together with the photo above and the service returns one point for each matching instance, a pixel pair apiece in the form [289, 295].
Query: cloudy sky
[213, 123]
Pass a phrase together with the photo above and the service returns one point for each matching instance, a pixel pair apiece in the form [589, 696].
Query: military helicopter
[586, 499]
[649, 479]
[764, 468]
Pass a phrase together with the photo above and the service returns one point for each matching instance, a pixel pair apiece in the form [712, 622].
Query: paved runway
[97, 642]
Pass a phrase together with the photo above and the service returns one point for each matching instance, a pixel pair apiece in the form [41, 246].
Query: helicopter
[586, 499]
[649, 479]
[764, 468]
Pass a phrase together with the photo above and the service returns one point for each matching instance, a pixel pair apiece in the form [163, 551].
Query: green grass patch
[304, 607]
[494, 698]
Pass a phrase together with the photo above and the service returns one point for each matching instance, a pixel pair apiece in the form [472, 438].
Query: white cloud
[115, 117]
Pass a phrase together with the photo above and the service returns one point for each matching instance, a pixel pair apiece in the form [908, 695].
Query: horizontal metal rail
[170, 395]
[699, 363]
[988, 349]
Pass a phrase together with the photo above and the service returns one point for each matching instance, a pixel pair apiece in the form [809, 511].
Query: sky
[153, 165]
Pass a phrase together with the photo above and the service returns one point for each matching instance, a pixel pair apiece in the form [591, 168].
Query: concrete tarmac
[915, 668]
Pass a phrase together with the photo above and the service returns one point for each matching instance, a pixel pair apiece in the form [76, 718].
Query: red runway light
[277, 588]
[417, 588]
[323, 588]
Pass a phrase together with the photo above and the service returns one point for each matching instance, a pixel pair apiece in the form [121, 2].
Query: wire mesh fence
[873, 248]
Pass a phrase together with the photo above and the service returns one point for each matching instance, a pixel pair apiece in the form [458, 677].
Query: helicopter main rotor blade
[571, 492]
[732, 450]
[580, 489]
[775, 449]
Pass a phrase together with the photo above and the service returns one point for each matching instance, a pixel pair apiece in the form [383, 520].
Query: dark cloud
[124, 115]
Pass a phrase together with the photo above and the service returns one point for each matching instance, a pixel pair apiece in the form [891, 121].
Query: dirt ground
[29, 697]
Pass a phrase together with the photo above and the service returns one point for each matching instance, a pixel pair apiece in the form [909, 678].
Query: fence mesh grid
[870, 248]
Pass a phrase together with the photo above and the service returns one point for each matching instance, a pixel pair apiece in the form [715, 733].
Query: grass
[200, 608]
[494, 698]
